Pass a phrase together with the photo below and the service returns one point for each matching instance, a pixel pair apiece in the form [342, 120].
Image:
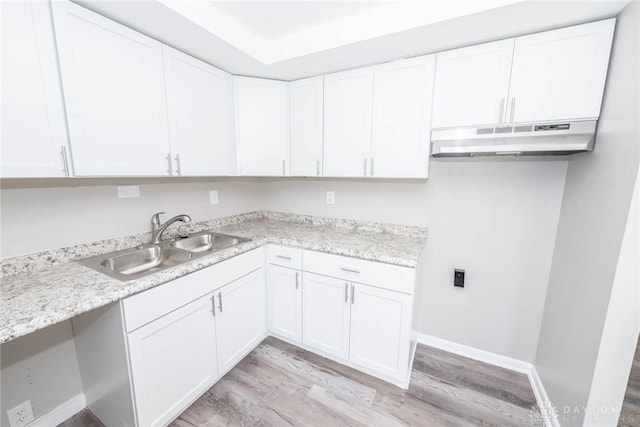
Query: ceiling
[272, 19]
[288, 40]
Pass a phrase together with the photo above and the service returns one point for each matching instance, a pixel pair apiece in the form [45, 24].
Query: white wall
[621, 328]
[594, 213]
[496, 219]
[45, 217]
[41, 367]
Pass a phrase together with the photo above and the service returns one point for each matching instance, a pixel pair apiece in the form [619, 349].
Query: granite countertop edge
[23, 313]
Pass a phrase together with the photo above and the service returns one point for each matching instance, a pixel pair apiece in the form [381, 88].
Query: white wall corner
[548, 411]
[62, 413]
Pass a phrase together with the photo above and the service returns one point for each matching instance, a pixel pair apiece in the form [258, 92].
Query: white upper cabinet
[262, 126]
[560, 75]
[402, 96]
[34, 132]
[306, 122]
[200, 111]
[348, 98]
[472, 85]
[549, 76]
[113, 82]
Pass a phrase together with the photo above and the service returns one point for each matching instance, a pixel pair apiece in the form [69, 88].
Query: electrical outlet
[331, 197]
[213, 197]
[21, 415]
[128, 191]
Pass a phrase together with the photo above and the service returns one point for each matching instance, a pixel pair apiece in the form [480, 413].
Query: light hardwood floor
[279, 384]
[630, 413]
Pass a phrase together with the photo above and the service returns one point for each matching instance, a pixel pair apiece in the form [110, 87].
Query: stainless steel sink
[134, 263]
[143, 260]
[207, 242]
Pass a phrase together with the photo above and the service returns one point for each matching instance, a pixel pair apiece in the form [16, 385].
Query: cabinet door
[241, 319]
[173, 361]
[326, 314]
[560, 75]
[348, 98]
[285, 302]
[33, 123]
[262, 126]
[114, 92]
[380, 330]
[402, 96]
[200, 111]
[472, 84]
[306, 122]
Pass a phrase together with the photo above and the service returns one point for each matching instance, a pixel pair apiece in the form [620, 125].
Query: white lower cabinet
[145, 359]
[285, 302]
[368, 326]
[326, 314]
[173, 361]
[240, 319]
[380, 330]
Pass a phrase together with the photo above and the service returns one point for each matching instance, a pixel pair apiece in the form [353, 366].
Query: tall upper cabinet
[262, 126]
[402, 95]
[549, 76]
[114, 92]
[348, 97]
[560, 75]
[34, 134]
[200, 112]
[306, 121]
[472, 84]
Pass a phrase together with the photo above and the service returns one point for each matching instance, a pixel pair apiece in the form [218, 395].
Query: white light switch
[213, 197]
[331, 197]
[128, 191]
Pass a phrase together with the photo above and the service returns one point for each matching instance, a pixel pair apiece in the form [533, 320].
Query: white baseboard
[476, 354]
[551, 419]
[62, 413]
[503, 362]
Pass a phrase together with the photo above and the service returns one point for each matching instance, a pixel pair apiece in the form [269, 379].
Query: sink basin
[134, 263]
[143, 260]
[207, 242]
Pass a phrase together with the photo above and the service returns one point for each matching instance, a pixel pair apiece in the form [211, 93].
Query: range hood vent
[539, 139]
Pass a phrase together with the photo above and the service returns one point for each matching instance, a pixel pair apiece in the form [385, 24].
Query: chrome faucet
[157, 229]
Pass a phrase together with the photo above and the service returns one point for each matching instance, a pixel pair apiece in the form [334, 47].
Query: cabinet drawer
[149, 305]
[386, 276]
[285, 256]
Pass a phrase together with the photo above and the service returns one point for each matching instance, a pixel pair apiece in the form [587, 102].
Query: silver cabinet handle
[283, 174]
[501, 110]
[350, 270]
[353, 295]
[65, 161]
[220, 298]
[169, 171]
[297, 280]
[513, 108]
[365, 167]
[318, 167]
[346, 292]
[178, 171]
[372, 166]
[213, 305]
[288, 258]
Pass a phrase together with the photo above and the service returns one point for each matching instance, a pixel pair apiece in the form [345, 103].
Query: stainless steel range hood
[540, 139]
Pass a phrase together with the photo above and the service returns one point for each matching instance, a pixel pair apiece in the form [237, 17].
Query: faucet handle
[155, 219]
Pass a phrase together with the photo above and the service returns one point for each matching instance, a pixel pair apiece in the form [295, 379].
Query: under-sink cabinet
[167, 345]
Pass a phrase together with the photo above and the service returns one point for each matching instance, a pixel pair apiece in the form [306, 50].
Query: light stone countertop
[39, 290]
